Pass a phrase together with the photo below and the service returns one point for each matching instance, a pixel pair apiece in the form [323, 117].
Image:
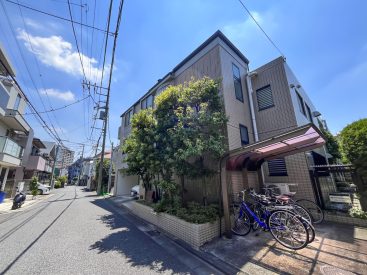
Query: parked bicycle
[287, 228]
[314, 211]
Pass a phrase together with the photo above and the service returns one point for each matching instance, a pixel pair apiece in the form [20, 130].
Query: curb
[26, 205]
[206, 258]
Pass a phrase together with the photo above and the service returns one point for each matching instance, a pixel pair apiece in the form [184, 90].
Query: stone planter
[334, 217]
[194, 234]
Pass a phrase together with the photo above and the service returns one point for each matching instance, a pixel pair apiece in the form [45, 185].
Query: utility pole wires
[99, 185]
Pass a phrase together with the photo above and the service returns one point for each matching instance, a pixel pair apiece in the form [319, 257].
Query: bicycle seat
[282, 198]
[289, 194]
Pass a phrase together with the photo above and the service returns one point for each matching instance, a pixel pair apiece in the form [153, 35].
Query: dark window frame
[128, 117]
[309, 113]
[301, 103]
[244, 142]
[257, 97]
[237, 79]
[278, 173]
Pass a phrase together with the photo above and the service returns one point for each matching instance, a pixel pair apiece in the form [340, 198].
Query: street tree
[140, 149]
[353, 139]
[191, 123]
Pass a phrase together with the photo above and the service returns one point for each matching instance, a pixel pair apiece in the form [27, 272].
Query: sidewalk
[5, 207]
[337, 249]
[199, 262]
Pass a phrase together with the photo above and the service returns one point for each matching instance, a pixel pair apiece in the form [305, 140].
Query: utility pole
[81, 168]
[53, 168]
[105, 119]
[110, 172]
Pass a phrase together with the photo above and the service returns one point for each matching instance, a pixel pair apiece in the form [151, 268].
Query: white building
[16, 135]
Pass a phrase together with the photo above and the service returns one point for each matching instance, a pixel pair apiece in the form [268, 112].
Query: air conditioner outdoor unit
[279, 188]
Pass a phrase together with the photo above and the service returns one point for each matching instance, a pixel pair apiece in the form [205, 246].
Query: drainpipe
[252, 111]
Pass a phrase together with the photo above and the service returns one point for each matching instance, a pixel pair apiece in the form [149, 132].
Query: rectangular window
[309, 113]
[237, 82]
[301, 103]
[264, 98]
[277, 167]
[150, 101]
[244, 135]
[128, 117]
[17, 102]
[147, 102]
[144, 104]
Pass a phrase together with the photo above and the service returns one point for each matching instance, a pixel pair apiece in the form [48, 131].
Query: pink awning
[301, 139]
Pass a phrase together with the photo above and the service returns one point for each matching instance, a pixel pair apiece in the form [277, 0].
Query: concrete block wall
[194, 234]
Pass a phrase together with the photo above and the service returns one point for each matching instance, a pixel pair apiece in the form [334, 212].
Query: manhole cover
[332, 270]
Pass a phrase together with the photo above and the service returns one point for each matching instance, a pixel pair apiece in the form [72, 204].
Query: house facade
[41, 160]
[16, 135]
[259, 104]
[65, 158]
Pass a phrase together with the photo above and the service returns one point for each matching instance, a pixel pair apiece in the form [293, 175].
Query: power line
[63, 107]
[76, 40]
[39, 70]
[257, 23]
[59, 17]
[55, 134]
[99, 185]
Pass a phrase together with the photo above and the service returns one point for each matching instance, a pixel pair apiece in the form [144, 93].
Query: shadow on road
[138, 248]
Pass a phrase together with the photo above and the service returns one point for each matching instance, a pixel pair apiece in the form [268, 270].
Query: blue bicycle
[287, 228]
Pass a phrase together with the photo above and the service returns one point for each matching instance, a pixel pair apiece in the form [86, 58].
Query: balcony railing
[10, 147]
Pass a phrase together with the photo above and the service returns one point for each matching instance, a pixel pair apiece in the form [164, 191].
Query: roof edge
[217, 34]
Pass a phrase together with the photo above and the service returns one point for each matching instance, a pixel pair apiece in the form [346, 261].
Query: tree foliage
[140, 147]
[353, 139]
[179, 137]
[332, 144]
[33, 186]
[105, 171]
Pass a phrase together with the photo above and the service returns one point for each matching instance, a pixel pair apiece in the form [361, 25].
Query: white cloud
[248, 37]
[55, 52]
[65, 96]
[240, 30]
[33, 24]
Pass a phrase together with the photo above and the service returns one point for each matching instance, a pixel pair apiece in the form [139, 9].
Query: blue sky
[325, 43]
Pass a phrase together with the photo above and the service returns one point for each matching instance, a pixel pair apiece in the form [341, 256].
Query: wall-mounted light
[316, 113]
[298, 86]
[292, 85]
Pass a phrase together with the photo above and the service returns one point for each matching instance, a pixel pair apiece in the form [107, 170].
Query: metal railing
[10, 147]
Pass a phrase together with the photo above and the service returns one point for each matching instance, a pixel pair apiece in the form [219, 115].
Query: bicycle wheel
[288, 229]
[242, 224]
[317, 214]
[303, 212]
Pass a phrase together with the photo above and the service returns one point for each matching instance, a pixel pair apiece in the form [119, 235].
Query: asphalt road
[76, 232]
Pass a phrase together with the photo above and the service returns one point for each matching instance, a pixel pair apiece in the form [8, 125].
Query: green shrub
[62, 180]
[358, 213]
[33, 187]
[57, 184]
[193, 213]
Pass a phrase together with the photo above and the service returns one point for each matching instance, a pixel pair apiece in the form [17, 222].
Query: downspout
[252, 112]
[224, 197]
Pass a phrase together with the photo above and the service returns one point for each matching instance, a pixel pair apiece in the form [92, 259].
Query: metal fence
[335, 186]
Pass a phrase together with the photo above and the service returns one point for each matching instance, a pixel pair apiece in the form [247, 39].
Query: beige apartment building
[259, 103]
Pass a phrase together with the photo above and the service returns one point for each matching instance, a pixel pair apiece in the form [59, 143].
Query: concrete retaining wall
[193, 234]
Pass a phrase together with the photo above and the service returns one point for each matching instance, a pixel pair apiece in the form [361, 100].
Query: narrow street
[76, 232]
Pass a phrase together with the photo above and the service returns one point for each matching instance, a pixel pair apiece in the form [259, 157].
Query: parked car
[135, 191]
[43, 189]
